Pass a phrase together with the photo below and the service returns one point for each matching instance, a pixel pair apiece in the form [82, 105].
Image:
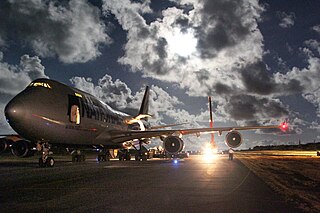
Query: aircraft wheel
[144, 158]
[102, 158]
[128, 157]
[137, 157]
[50, 162]
[41, 164]
[121, 158]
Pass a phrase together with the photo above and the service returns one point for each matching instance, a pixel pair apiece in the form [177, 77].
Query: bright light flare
[182, 43]
[209, 153]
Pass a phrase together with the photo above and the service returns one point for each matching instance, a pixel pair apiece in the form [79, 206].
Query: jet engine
[4, 144]
[173, 144]
[233, 139]
[22, 149]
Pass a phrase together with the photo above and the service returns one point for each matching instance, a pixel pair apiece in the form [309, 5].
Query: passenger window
[75, 114]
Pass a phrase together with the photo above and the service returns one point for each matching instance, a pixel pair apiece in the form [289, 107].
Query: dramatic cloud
[226, 60]
[14, 78]
[287, 20]
[244, 107]
[153, 48]
[72, 31]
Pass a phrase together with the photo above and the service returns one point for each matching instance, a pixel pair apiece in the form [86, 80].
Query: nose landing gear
[45, 160]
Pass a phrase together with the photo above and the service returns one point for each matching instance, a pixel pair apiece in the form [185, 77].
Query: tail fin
[144, 108]
[213, 144]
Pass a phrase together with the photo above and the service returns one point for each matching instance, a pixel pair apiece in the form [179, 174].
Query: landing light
[175, 161]
[209, 153]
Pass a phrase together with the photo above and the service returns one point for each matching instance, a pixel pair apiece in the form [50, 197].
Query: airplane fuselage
[48, 111]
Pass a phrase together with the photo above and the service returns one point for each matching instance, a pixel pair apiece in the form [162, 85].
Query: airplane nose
[14, 110]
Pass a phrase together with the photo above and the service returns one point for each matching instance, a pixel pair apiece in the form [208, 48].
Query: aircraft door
[74, 109]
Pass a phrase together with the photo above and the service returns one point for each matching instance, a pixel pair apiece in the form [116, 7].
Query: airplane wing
[122, 136]
[8, 135]
[168, 125]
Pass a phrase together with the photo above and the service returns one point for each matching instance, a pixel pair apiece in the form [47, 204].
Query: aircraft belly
[71, 134]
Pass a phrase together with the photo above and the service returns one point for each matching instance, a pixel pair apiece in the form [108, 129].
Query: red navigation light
[284, 126]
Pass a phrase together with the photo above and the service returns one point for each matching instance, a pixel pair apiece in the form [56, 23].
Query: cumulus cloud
[150, 48]
[313, 44]
[287, 20]
[226, 60]
[308, 79]
[162, 106]
[116, 93]
[316, 28]
[314, 98]
[245, 107]
[14, 78]
[73, 31]
[315, 126]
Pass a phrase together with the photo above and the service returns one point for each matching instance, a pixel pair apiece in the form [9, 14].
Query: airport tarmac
[191, 185]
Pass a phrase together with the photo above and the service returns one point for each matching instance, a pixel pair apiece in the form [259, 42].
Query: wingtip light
[284, 126]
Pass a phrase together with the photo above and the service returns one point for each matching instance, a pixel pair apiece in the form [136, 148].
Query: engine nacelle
[173, 144]
[4, 144]
[233, 139]
[23, 149]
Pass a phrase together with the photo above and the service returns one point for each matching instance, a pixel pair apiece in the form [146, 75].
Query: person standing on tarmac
[231, 154]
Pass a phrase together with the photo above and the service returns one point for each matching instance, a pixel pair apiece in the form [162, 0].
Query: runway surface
[192, 185]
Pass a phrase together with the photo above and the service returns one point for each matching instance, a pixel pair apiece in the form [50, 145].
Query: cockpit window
[40, 84]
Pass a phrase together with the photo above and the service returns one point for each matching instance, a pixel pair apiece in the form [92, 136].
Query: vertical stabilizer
[213, 144]
[144, 108]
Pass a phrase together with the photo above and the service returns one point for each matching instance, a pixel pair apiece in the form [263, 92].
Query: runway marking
[240, 184]
[127, 166]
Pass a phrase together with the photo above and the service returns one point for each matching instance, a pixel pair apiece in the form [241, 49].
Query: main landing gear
[45, 160]
[77, 156]
[104, 155]
[124, 154]
[140, 155]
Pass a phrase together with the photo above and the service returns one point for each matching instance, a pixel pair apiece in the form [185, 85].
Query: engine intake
[22, 149]
[233, 139]
[173, 144]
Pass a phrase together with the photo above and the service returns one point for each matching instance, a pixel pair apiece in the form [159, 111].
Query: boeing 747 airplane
[49, 113]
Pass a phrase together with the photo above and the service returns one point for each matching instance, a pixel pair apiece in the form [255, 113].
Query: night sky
[259, 60]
